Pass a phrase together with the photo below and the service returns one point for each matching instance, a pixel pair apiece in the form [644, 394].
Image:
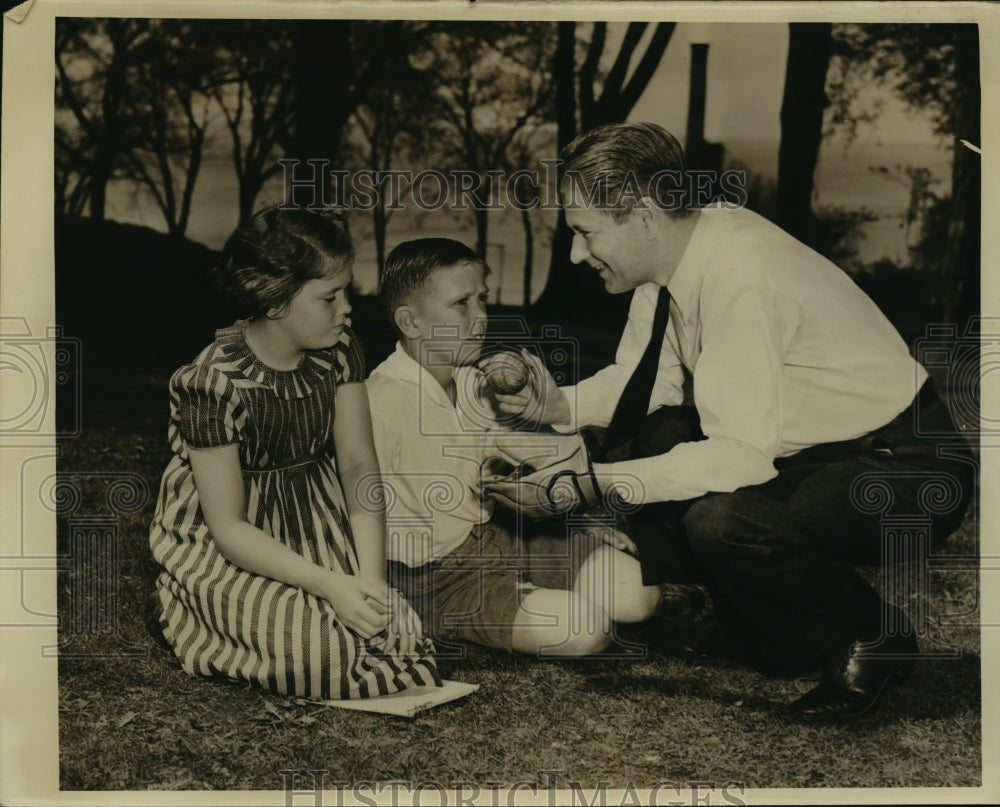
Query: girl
[273, 556]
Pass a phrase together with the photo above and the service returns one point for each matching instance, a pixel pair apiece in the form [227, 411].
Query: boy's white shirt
[430, 454]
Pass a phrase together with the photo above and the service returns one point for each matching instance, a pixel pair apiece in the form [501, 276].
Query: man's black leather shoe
[851, 684]
[682, 606]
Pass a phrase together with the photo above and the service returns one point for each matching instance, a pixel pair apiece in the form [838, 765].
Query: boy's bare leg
[551, 622]
[613, 580]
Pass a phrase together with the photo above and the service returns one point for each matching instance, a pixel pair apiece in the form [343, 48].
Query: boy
[469, 575]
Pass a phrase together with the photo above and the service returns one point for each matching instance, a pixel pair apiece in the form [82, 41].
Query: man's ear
[646, 216]
[405, 319]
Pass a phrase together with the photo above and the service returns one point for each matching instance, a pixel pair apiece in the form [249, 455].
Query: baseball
[506, 372]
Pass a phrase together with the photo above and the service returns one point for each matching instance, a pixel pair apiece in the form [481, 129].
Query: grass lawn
[138, 722]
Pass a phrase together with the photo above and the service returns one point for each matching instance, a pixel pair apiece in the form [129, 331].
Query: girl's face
[317, 315]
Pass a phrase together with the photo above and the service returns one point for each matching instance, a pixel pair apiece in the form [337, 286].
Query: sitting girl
[273, 555]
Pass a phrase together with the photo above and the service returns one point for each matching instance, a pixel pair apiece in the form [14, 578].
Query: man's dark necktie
[634, 402]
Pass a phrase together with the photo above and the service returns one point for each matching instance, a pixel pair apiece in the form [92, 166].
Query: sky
[745, 82]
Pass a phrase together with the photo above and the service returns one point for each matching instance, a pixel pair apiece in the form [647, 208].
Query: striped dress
[220, 619]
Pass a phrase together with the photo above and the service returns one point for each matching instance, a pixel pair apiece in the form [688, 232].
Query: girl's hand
[541, 401]
[405, 629]
[360, 604]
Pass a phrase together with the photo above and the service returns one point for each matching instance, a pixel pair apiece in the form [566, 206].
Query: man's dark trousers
[780, 558]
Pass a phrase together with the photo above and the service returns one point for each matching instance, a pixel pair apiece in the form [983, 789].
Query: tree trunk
[482, 225]
[802, 107]
[529, 255]
[247, 197]
[109, 144]
[379, 226]
[564, 69]
[321, 73]
[961, 271]
[561, 286]
[99, 176]
[575, 293]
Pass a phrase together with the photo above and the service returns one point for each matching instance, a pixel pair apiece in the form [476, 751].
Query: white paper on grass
[409, 702]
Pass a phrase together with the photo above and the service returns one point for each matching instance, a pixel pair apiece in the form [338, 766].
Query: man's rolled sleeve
[738, 394]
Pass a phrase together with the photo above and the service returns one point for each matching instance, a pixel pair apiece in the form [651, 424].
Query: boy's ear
[405, 317]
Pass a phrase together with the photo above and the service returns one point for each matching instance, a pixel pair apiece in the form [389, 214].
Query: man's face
[450, 313]
[615, 250]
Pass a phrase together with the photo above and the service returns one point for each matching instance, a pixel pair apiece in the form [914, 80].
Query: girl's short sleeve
[205, 406]
[350, 358]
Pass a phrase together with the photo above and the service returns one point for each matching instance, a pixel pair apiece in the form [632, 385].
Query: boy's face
[449, 314]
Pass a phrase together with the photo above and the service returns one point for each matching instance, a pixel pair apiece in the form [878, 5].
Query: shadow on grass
[139, 722]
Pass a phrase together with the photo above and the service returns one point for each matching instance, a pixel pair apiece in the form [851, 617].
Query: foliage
[170, 111]
[761, 189]
[576, 67]
[253, 90]
[492, 86]
[933, 67]
[139, 96]
[391, 127]
[916, 61]
[836, 234]
[620, 88]
[92, 133]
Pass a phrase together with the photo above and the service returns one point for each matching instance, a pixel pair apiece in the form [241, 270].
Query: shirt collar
[685, 285]
[400, 365]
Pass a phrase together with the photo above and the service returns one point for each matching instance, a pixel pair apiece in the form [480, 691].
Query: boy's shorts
[473, 594]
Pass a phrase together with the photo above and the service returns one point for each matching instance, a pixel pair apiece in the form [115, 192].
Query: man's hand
[525, 494]
[557, 488]
[541, 401]
[541, 450]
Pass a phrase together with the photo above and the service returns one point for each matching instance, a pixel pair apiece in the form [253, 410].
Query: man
[805, 405]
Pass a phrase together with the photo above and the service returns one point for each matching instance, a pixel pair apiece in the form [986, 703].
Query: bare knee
[560, 623]
[581, 644]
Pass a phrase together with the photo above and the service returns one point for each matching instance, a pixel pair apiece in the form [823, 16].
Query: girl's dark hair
[267, 260]
[411, 264]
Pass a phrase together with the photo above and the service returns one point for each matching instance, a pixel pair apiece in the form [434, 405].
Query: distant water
[845, 179]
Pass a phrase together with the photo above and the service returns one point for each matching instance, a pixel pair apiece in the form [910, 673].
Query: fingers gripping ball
[506, 373]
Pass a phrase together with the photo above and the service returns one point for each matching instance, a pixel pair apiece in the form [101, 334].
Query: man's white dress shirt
[785, 350]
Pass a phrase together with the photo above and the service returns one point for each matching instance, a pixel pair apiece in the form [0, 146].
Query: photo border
[28, 686]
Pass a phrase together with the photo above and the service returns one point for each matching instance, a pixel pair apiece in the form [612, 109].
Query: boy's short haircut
[410, 265]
